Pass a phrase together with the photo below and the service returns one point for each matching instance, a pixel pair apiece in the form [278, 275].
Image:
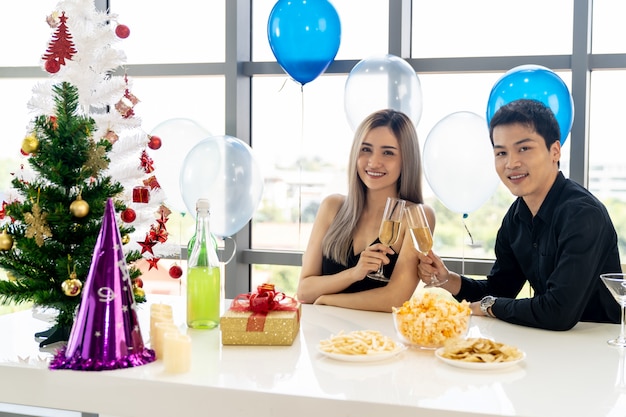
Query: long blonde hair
[338, 240]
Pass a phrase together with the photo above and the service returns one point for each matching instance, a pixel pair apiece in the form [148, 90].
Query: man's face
[524, 164]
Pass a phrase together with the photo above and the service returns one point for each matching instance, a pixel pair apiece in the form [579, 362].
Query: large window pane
[25, 32]
[609, 30]
[364, 29]
[301, 139]
[192, 31]
[607, 146]
[443, 95]
[461, 28]
[15, 121]
[167, 100]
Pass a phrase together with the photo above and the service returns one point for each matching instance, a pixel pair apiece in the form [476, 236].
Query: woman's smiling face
[380, 161]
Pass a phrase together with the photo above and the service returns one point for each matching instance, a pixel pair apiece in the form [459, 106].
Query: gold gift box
[279, 328]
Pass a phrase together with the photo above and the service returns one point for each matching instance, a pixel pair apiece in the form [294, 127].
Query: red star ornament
[161, 221]
[153, 263]
[146, 245]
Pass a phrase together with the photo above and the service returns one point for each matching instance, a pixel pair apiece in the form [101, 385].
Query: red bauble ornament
[138, 282]
[176, 271]
[155, 143]
[128, 215]
[122, 31]
[52, 66]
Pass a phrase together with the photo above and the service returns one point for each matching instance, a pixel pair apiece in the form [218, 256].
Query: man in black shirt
[556, 235]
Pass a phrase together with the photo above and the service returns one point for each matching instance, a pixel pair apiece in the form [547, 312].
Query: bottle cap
[203, 204]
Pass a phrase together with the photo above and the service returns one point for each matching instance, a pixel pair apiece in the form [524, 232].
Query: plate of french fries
[360, 346]
[479, 353]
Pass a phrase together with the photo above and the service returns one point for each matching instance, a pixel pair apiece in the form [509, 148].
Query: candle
[176, 352]
[165, 309]
[156, 342]
[158, 318]
[158, 313]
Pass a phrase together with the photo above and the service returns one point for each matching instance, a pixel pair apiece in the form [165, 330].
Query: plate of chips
[479, 353]
[360, 346]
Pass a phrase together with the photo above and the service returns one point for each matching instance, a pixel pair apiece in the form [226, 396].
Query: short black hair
[530, 113]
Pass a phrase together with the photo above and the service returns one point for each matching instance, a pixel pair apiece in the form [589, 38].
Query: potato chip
[480, 350]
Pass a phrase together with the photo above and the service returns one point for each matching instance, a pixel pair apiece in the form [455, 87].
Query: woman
[344, 247]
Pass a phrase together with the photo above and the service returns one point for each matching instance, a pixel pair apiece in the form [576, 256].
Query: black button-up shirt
[561, 252]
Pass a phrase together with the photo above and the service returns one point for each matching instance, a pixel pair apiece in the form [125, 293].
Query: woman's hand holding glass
[422, 237]
[389, 230]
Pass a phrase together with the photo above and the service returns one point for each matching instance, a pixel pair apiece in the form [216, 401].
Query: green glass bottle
[204, 283]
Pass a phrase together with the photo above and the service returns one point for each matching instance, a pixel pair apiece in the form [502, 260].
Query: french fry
[358, 342]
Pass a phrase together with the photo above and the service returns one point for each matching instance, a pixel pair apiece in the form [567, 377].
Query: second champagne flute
[389, 230]
[421, 235]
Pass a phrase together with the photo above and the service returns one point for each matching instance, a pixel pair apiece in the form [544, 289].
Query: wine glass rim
[614, 276]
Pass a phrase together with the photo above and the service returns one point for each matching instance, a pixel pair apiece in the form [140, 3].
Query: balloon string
[300, 163]
[471, 242]
[232, 255]
[283, 86]
[180, 254]
[468, 232]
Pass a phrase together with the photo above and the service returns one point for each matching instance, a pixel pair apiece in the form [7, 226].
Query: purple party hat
[106, 333]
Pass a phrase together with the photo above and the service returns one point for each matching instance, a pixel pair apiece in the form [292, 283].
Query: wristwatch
[486, 303]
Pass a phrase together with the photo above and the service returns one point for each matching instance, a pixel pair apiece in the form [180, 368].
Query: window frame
[238, 70]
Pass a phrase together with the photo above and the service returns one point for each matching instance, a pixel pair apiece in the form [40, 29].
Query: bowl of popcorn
[430, 318]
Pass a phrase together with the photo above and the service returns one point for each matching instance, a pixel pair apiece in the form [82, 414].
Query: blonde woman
[344, 247]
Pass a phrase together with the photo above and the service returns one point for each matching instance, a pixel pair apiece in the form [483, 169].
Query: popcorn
[429, 319]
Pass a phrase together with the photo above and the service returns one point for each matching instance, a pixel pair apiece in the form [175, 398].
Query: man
[556, 235]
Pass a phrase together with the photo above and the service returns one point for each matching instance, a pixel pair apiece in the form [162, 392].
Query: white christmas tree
[83, 52]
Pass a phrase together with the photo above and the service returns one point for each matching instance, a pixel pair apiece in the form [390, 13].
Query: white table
[572, 373]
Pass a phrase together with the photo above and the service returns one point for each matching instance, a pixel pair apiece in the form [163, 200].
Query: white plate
[364, 358]
[478, 365]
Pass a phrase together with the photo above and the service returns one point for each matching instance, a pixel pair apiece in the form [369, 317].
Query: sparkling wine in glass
[616, 283]
[421, 235]
[389, 230]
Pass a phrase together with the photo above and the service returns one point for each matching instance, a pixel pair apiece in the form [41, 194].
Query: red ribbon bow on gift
[260, 303]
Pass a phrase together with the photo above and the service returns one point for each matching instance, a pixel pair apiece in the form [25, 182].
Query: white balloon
[178, 136]
[382, 82]
[224, 170]
[459, 163]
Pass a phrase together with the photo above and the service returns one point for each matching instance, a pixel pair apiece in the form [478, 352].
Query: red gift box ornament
[141, 194]
[266, 299]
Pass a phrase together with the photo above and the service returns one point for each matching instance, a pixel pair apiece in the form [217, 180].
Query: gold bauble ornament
[30, 144]
[79, 207]
[11, 277]
[139, 292]
[71, 287]
[125, 239]
[6, 241]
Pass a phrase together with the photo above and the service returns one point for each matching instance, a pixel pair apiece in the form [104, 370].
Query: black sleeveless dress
[330, 267]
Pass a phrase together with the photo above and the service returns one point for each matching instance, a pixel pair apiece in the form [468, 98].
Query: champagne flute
[421, 235]
[389, 230]
[616, 283]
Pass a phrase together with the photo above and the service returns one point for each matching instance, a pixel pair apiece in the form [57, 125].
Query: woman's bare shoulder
[333, 203]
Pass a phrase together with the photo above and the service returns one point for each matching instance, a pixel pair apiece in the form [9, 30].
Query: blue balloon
[534, 82]
[304, 36]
